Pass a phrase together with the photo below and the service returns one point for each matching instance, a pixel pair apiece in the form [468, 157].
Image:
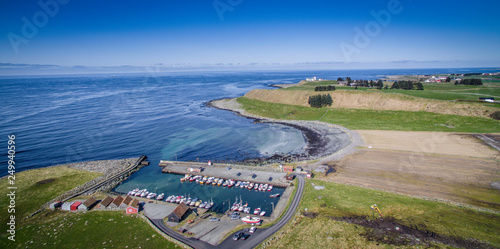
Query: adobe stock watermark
[40, 19]
[363, 37]
[223, 6]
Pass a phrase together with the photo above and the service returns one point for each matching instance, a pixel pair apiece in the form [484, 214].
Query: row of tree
[324, 88]
[320, 100]
[407, 85]
[474, 82]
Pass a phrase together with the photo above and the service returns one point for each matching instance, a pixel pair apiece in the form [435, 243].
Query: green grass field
[338, 200]
[438, 91]
[38, 186]
[96, 229]
[373, 119]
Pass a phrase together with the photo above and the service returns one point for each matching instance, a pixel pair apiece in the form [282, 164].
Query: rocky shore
[324, 141]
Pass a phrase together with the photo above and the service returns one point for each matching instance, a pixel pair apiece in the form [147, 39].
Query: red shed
[75, 205]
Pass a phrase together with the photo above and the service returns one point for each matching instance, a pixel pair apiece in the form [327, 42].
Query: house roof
[287, 167]
[180, 210]
[107, 201]
[89, 202]
[76, 204]
[118, 200]
[135, 203]
[128, 200]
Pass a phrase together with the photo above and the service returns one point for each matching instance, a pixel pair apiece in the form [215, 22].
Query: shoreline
[324, 141]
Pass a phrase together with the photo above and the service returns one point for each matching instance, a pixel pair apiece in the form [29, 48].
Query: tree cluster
[407, 85]
[324, 88]
[320, 100]
[473, 82]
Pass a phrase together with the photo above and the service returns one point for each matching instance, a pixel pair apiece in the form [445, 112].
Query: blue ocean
[73, 118]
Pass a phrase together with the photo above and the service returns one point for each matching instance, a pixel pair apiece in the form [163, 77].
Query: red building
[134, 207]
[75, 205]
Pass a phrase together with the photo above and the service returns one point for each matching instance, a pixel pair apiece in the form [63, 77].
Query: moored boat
[160, 196]
[262, 213]
[270, 187]
[256, 211]
[251, 220]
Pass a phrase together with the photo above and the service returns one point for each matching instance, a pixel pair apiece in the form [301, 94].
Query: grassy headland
[364, 119]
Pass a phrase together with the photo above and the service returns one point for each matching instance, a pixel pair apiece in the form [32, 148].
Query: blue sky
[76, 35]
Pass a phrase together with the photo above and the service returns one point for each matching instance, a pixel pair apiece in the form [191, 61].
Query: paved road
[255, 239]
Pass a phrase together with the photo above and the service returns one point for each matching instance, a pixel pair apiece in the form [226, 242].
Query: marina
[217, 194]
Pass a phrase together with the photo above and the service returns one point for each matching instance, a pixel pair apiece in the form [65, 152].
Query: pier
[226, 171]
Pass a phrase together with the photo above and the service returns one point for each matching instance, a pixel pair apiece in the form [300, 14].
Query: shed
[134, 207]
[105, 203]
[179, 213]
[55, 205]
[128, 200]
[75, 206]
[287, 168]
[66, 206]
[289, 177]
[88, 204]
[124, 204]
[117, 202]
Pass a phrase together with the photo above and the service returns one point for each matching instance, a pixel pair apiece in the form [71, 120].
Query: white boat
[256, 211]
[203, 205]
[210, 204]
[225, 183]
[251, 220]
[270, 187]
[237, 184]
[262, 213]
[220, 182]
[250, 185]
[160, 196]
[246, 210]
[274, 195]
[144, 194]
[256, 186]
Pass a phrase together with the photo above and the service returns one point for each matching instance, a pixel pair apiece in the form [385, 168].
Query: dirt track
[428, 142]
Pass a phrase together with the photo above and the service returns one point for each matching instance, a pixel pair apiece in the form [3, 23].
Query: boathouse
[88, 204]
[134, 207]
[55, 205]
[117, 202]
[179, 213]
[128, 200]
[75, 206]
[66, 206]
[105, 203]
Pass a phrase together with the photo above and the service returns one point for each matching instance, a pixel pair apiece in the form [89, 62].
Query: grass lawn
[337, 200]
[38, 186]
[96, 229]
[374, 119]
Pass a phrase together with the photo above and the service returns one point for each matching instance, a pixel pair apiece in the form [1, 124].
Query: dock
[225, 171]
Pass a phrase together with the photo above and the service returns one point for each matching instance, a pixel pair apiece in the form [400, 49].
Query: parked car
[239, 173]
[252, 229]
[238, 236]
[245, 236]
[270, 178]
[253, 176]
[214, 219]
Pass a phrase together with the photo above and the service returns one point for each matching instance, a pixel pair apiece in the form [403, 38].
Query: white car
[252, 229]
